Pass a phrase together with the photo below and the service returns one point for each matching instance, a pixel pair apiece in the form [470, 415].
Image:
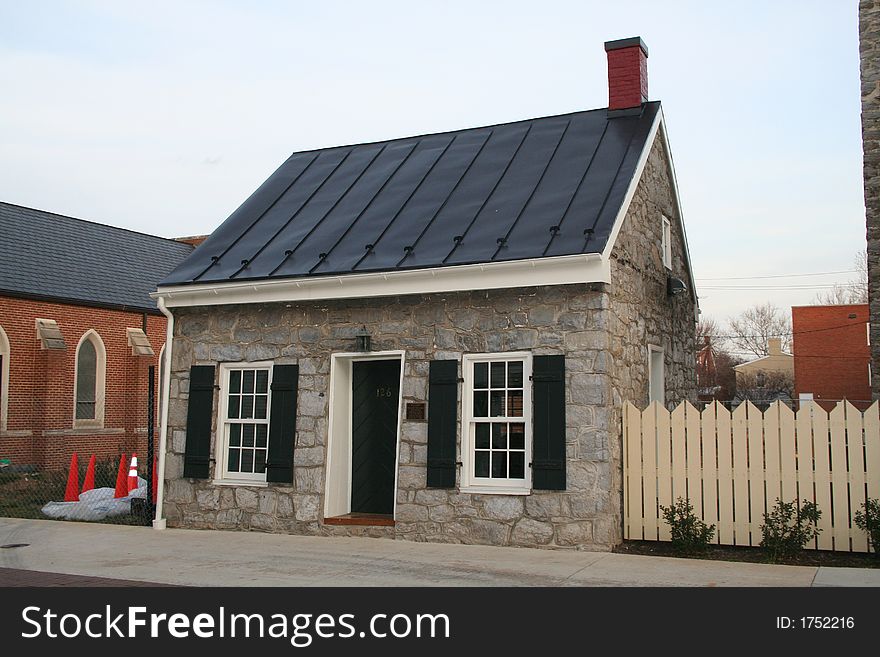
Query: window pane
[497, 403]
[247, 460]
[260, 462]
[481, 404]
[497, 375]
[232, 463]
[247, 381]
[499, 436]
[482, 435]
[86, 377]
[517, 436]
[235, 435]
[235, 381]
[517, 465]
[262, 435]
[260, 402]
[481, 375]
[263, 381]
[85, 410]
[514, 403]
[247, 435]
[515, 374]
[234, 407]
[247, 406]
[481, 464]
[499, 465]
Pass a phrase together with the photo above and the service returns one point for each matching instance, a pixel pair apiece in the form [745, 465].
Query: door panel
[374, 417]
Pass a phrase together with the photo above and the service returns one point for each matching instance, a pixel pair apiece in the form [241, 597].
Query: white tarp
[96, 504]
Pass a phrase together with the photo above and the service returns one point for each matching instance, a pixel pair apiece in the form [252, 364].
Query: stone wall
[869, 49]
[641, 313]
[602, 330]
[563, 319]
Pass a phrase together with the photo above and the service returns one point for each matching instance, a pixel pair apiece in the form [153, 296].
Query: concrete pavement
[223, 558]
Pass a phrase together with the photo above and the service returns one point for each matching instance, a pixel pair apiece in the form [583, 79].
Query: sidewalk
[221, 558]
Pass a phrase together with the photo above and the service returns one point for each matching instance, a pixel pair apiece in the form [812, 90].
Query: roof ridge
[95, 223]
[457, 130]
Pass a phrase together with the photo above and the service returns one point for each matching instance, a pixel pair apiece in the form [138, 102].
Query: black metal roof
[543, 187]
[50, 256]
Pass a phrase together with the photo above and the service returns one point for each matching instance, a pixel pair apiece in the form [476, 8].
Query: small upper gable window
[666, 243]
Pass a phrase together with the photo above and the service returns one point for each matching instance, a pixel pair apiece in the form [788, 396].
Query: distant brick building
[832, 355]
[78, 333]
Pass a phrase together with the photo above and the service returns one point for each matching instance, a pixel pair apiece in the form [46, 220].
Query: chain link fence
[100, 492]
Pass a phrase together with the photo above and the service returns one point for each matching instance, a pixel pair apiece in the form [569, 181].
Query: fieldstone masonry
[601, 329]
[869, 51]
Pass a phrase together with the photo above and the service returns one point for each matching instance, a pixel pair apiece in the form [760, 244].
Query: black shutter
[442, 422]
[548, 456]
[282, 424]
[197, 454]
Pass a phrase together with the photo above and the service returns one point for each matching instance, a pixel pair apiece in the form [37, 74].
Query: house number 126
[384, 392]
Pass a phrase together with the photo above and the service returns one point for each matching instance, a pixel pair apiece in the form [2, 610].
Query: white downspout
[159, 522]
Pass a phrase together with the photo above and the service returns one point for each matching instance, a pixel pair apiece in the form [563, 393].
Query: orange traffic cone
[155, 484]
[71, 493]
[133, 473]
[121, 483]
[89, 481]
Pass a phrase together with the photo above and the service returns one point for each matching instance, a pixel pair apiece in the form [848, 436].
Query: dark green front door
[374, 414]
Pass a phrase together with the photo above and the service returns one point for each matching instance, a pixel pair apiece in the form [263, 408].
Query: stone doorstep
[362, 520]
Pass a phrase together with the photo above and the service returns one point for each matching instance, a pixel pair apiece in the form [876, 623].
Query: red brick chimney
[627, 74]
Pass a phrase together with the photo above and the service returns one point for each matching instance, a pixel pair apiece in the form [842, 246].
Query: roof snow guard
[523, 191]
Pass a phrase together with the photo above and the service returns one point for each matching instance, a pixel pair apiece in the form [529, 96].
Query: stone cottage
[431, 338]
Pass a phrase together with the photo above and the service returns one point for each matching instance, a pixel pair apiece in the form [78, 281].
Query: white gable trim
[659, 125]
[561, 270]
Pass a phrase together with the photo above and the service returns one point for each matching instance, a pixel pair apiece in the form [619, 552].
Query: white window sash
[221, 453]
[469, 482]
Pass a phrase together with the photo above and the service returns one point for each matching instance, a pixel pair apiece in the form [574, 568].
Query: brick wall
[39, 417]
[831, 352]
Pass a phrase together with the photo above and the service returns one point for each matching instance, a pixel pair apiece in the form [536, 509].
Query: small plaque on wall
[415, 411]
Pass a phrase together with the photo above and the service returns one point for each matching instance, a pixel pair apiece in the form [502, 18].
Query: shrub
[869, 522]
[689, 533]
[788, 528]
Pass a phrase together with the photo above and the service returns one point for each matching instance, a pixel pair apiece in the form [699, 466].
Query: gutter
[159, 521]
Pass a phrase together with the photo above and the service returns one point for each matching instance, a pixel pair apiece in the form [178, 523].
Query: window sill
[240, 482]
[500, 490]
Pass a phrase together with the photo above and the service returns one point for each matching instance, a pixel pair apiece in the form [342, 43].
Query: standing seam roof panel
[535, 183]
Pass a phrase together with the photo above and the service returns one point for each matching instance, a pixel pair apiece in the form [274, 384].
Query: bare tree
[762, 388]
[752, 328]
[707, 327]
[854, 290]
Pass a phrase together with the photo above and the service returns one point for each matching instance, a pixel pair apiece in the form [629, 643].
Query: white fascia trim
[659, 125]
[677, 198]
[633, 185]
[559, 270]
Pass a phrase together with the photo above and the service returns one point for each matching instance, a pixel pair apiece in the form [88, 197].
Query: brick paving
[16, 577]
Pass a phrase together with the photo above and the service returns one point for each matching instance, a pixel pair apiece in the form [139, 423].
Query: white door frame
[337, 475]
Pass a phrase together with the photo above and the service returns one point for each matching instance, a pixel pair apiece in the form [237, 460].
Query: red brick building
[78, 333]
[832, 354]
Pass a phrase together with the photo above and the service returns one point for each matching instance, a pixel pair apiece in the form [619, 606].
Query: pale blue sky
[164, 116]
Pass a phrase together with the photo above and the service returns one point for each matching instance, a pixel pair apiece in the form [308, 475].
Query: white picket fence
[734, 466]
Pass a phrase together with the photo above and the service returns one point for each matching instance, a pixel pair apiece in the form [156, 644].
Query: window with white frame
[496, 440]
[656, 375]
[666, 243]
[90, 367]
[243, 423]
[4, 377]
